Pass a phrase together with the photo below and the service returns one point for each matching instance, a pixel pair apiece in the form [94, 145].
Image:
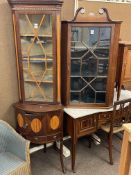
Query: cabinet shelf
[90, 48]
[36, 99]
[38, 60]
[32, 35]
[76, 91]
[91, 76]
[79, 58]
[33, 81]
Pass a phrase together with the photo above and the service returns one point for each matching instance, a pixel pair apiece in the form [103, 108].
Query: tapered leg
[110, 148]
[73, 155]
[90, 141]
[61, 155]
[118, 93]
[45, 148]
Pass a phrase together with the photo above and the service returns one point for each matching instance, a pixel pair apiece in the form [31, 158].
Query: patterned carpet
[89, 161]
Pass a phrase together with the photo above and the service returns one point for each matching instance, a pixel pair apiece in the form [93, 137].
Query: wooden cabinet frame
[87, 21]
[42, 7]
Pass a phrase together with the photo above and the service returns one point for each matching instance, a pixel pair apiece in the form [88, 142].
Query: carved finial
[104, 10]
[102, 15]
[79, 10]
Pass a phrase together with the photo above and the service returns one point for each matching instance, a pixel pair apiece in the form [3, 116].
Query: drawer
[103, 118]
[86, 125]
[36, 139]
[54, 137]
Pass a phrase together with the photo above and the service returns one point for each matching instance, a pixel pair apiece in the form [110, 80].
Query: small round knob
[36, 138]
[25, 125]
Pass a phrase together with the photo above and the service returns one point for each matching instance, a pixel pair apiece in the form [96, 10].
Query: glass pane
[89, 65]
[75, 67]
[78, 50]
[36, 47]
[75, 96]
[77, 84]
[100, 97]
[99, 84]
[32, 22]
[37, 56]
[93, 36]
[88, 95]
[86, 35]
[88, 79]
[103, 67]
[102, 53]
[105, 37]
[33, 93]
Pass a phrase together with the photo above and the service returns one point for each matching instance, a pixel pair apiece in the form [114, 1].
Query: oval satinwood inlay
[54, 122]
[20, 120]
[36, 125]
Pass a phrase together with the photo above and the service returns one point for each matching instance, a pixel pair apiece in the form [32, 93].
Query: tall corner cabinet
[123, 77]
[37, 27]
[89, 55]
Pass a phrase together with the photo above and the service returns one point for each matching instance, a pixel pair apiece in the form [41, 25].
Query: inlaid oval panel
[36, 125]
[54, 122]
[20, 120]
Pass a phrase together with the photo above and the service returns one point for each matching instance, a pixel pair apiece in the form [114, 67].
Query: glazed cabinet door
[89, 63]
[37, 56]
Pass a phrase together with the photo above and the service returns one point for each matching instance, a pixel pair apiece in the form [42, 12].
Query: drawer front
[103, 118]
[36, 139]
[31, 124]
[54, 137]
[54, 122]
[86, 125]
[23, 122]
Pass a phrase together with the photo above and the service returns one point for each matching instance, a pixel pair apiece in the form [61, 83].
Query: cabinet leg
[118, 92]
[73, 155]
[90, 141]
[44, 148]
[61, 155]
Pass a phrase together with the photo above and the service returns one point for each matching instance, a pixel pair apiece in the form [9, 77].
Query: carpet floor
[89, 161]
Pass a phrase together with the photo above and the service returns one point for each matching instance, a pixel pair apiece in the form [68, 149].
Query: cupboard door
[127, 74]
[37, 56]
[31, 124]
[54, 122]
[90, 52]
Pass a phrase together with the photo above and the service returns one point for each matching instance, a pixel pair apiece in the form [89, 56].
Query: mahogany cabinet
[37, 41]
[40, 123]
[123, 77]
[39, 112]
[89, 54]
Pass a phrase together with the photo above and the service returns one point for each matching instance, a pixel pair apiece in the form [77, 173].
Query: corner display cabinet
[89, 56]
[123, 77]
[37, 39]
